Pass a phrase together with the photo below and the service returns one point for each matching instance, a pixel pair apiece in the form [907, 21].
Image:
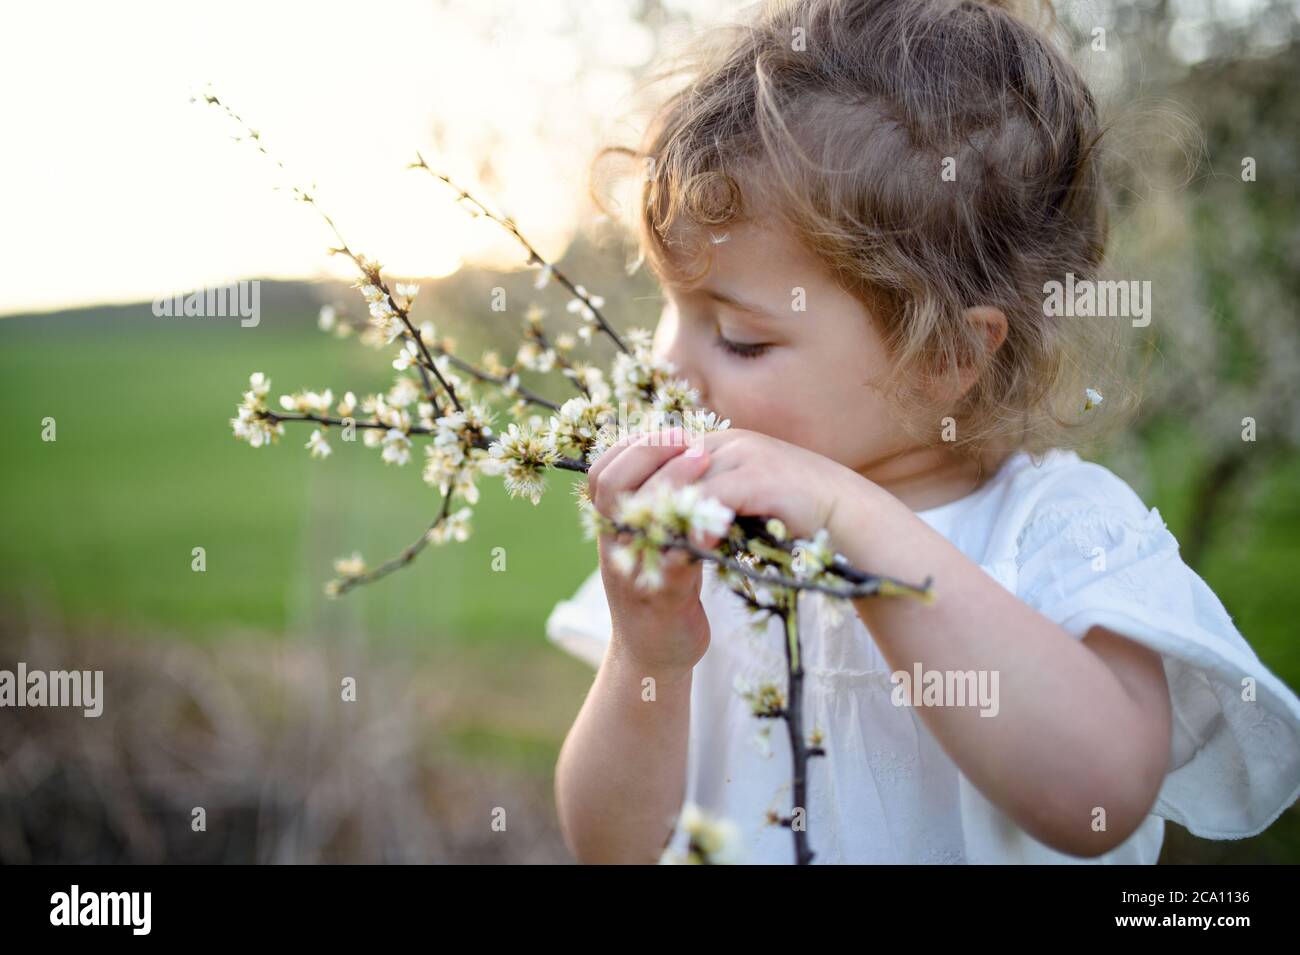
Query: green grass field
[100, 524]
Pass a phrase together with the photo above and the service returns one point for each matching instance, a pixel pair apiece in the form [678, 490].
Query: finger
[611, 453]
[602, 464]
[630, 470]
[713, 441]
[680, 470]
[608, 455]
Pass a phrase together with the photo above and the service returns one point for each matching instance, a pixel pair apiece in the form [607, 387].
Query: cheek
[781, 394]
[819, 401]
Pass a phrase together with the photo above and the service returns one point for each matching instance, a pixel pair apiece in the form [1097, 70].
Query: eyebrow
[738, 304]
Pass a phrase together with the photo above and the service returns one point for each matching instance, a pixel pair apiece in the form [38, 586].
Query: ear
[991, 323]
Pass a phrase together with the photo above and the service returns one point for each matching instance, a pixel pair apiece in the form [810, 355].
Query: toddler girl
[856, 208]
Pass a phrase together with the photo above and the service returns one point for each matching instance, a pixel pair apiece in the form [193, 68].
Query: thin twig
[871, 585]
[325, 419]
[534, 257]
[793, 715]
[370, 271]
[407, 555]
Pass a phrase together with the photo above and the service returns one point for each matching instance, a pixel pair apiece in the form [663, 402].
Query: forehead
[751, 258]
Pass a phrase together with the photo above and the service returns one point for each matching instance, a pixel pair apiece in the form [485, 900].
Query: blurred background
[223, 686]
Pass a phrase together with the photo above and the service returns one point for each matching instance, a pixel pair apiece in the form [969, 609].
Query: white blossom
[308, 402]
[257, 431]
[663, 514]
[652, 575]
[593, 522]
[711, 516]
[404, 393]
[385, 320]
[698, 422]
[812, 557]
[352, 566]
[712, 840]
[638, 338]
[317, 445]
[675, 395]
[637, 376]
[397, 447]
[624, 559]
[522, 456]
[250, 423]
[584, 303]
[765, 698]
[454, 457]
[454, 527]
[408, 356]
[535, 358]
[578, 422]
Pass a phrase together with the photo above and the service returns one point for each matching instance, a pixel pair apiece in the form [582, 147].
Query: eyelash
[740, 349]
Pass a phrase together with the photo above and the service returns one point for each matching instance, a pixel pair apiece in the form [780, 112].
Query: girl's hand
[755, 474]
[663, 631]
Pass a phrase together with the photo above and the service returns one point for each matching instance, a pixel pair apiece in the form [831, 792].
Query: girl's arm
[621, 775]
[1081, 725]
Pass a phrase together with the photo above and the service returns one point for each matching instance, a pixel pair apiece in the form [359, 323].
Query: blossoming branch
[448, 408]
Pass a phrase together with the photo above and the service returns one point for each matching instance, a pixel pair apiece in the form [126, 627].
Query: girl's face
[773, 343]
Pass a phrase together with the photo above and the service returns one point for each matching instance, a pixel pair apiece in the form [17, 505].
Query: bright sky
[114, 187]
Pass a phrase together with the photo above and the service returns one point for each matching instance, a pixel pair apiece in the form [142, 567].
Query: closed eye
[742, 349]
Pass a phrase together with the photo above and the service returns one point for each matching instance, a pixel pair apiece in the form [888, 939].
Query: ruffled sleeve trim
[581, 625]
[1234, 762]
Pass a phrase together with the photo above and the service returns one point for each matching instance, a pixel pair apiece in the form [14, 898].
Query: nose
[673, 344]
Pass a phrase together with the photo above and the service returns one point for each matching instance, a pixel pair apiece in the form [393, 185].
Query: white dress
[886, 792]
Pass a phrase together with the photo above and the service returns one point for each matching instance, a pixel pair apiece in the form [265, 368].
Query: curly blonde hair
[838, 116]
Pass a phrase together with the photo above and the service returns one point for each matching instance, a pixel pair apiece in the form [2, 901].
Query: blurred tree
[1205, 166]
